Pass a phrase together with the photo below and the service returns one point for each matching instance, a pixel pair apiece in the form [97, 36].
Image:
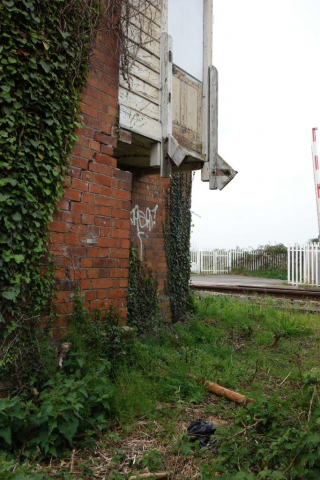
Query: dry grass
[148, 436]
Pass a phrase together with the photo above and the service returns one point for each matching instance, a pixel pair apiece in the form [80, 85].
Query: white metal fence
[224, 261]
[303, 264]
[210, 261]
[258, 260]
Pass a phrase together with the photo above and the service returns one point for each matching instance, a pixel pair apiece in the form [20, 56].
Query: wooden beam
[213, 126]
[207, 62]
[155, 155]
[166, 104]
[179, 154]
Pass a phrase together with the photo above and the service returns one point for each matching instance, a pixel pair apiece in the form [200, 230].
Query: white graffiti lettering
[143, 221]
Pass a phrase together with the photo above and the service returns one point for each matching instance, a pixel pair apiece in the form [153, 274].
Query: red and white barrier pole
[316, 172]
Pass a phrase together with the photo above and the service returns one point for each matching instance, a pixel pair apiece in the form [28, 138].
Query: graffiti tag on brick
[143, 220]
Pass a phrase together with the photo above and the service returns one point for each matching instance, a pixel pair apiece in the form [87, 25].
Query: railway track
[282, 292]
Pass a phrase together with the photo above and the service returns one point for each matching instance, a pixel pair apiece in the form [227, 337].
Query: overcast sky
[267, 55]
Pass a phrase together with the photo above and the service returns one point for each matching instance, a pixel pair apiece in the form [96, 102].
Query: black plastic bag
[201, 431]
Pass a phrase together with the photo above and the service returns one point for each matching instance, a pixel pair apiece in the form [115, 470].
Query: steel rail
[293, 293]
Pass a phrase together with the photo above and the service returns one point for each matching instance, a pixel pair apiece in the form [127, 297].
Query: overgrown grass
[230, 341]
[280, 274]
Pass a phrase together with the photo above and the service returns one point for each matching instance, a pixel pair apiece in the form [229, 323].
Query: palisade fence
[220, 261]
[303, 264]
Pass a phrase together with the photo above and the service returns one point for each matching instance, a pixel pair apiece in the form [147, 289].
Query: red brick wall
[147, 217]
[91, 229]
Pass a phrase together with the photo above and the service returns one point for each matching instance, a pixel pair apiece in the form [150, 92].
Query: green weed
[228, 341]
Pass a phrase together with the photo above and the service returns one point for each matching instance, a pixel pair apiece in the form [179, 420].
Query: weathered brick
[95, 167]
[79, 185]
[79, 162]
[88, 176]
[105, 211]
[88, 198]
[74, 172]
[117, 233]
[90, 111]
[71, 217]
[79, 207]
[103, 273]
[93, 209]
[123, 194]
[105, 231]
[87, 219]
[77, 229]
[94, 188]
[93, 252]
[103, 262]
[105, 242]
[106, 128]
[103, 180]
[102, 293]
[87, 153]
[64, 204]
[57, 237]
[67, 182]
[71, 239]
[59, 227]
[105, 159]
[105, 139]
[86, 262]
[95, 145]
[102, 283]
[125, 243]
[91, 295]
[108, 150]
[106, 191]
[93, 230]
[92, 273]
[118, 293]
[82, 141]
[117, 213]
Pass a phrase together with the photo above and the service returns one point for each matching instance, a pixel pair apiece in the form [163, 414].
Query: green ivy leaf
[5, 433]
[10, 294]
[45, 65]
[16, 217]
[19, 258]
[4, 197]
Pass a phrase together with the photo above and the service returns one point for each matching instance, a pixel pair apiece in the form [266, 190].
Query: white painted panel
[185, 25]
[150, 10]
[145, 74]
[144, 57]
[176, 104]
[192, 108]
[142, 88]
[147, 25]
[140, 123]
[131, 100]
[144, 40]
